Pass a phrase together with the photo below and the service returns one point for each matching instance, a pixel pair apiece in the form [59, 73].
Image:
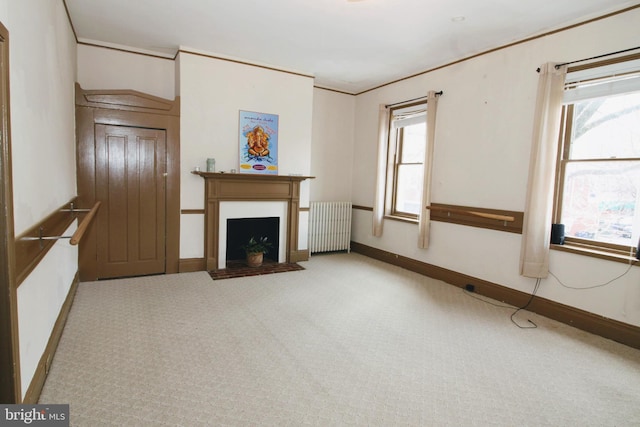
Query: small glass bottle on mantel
[211, 165]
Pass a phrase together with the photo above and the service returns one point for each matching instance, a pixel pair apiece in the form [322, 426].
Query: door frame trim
[10, 387]
[134, 109]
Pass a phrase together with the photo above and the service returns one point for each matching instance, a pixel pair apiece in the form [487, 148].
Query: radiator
[329, 226]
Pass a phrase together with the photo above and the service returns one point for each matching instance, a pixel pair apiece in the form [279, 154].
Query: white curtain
[425, 214]
[536, 231]
[383, 136]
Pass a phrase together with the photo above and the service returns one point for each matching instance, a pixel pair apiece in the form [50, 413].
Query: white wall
[42, 60]
[212, 92]
[332, 145]
[104, 68]
[481, 158]
[40, 298]
[42, 74]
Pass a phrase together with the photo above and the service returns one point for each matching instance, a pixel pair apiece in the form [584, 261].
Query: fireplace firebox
[240, 230]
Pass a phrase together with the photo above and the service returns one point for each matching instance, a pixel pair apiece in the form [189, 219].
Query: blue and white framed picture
[258, 143]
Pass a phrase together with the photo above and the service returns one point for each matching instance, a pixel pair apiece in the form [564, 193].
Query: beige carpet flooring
[349, 341]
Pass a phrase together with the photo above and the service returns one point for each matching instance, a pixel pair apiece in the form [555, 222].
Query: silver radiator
[329, 226]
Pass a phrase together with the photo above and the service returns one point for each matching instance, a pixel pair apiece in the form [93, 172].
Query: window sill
[595, 253]
[402, 219]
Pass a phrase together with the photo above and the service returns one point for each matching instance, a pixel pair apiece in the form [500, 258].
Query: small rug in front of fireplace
[240, 269]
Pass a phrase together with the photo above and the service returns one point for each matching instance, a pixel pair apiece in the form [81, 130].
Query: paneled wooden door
[130, 183]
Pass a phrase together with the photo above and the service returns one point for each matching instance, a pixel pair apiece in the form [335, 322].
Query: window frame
[599, 249]
[395, 145]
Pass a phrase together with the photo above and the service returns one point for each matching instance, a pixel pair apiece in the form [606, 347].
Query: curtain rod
[410, 100]
[598, 57]
[594, 57]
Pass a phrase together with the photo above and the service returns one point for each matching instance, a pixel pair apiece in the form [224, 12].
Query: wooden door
[130, 183]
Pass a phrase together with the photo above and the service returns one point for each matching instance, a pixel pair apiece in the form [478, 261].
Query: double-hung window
[407, 142]
[598, 180]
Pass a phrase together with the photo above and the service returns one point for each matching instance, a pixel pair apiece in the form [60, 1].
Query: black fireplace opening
[240, 230]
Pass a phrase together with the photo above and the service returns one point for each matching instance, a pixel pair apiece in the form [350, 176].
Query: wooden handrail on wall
[32, 245]
[82, 227]
[84, 224]
[506, 218]
[495, 219]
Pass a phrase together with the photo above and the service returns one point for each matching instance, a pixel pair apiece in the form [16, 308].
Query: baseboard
[300, 255]
[584, 320]
[37, 382]
[189, 265]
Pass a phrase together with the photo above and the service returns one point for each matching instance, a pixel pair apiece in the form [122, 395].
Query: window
[407, 142]
[598, 185]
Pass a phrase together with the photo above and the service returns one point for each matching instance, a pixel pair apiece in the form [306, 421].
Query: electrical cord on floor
[535, 290]
[594, 286]
[473, 295]
[524, 307]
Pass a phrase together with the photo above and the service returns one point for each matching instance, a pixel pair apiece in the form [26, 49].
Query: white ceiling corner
[350, 46]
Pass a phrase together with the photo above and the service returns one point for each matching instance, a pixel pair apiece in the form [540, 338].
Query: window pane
[601, 201]
[606, 128]
[413, 143]
[409, 189]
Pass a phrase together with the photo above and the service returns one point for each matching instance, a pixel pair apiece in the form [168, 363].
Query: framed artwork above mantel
[258, 143]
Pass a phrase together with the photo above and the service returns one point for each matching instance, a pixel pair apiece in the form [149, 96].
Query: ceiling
[347, 45]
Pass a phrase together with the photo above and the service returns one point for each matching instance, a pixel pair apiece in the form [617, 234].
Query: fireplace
[240, 230]
[229, 196]
[251, 212]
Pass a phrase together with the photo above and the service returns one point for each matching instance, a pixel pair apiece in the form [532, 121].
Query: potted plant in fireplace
[255, 250]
